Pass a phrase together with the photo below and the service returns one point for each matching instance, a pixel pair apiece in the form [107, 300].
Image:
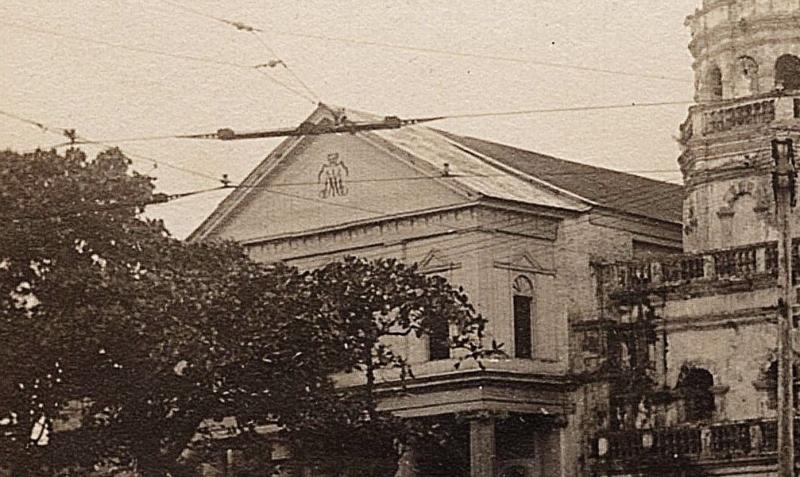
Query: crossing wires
[165, 54]
[428, 50]
[258, 33]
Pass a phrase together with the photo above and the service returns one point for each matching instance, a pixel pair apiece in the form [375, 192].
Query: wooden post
[784, 183]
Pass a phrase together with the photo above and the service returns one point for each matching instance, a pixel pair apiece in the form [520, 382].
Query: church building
[520, 231]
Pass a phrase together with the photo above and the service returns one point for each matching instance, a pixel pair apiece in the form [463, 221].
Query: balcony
[728, 265]
[728, 116]
[730, 443]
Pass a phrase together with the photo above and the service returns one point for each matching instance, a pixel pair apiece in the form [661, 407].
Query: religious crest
[332, 176]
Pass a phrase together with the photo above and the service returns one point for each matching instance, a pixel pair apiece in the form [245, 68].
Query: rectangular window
[522, 327]
[439, 340]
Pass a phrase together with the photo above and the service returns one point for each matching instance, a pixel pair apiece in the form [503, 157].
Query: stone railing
[727, 118]
[729, 264]
[755, 437]
[741, 113]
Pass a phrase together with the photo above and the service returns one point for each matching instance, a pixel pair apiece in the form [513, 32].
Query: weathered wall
[736, 355]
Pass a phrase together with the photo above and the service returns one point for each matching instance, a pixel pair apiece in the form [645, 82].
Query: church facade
[518, 230]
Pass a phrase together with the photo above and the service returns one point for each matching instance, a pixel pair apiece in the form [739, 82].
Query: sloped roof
[613, 189]
[480, 176]
[487, 168]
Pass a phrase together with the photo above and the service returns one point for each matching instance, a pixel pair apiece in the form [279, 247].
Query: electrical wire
[42, 127]
[491, 240]
[525, 112]
[286, 66]
[311, 95]
[151, 51]
[437, 51]
[111, 142]
[257, 33]
[481, 56]
[416, 120]
[481, 244]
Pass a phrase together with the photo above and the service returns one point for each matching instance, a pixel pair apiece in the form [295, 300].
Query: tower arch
[747, 89]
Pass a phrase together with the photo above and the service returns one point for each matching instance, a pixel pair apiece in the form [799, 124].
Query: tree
[367, 304]
[101, 314]
[134, 338]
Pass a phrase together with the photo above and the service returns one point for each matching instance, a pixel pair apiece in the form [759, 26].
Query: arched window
[695, 386]
[523, 308]
[439, 339]
[787, 72]
[747, 76]
[714, 83]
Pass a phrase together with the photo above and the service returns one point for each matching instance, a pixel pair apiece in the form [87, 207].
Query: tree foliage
[120, 341]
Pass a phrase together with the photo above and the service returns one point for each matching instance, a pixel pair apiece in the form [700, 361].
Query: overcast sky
[106, 92]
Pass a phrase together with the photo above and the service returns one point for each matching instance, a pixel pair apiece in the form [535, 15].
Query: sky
[106, 91]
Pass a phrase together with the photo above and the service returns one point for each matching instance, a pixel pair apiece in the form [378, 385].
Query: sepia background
[118, 69]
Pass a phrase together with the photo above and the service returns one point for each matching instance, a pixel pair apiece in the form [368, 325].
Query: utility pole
[783, 183]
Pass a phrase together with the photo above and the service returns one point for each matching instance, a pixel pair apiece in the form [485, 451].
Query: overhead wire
[448, 117]
[151, 51]
[112, 142]
[644, 198]
[649, 198]
[525, 112]
[79, 140]
[258, 36]
[41, 126]
[521, 112]
[437, 51]
[464, 54]
[310, 93]
[424, 242]
[492, 241]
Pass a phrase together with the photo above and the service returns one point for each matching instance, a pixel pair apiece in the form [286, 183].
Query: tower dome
[747, 89]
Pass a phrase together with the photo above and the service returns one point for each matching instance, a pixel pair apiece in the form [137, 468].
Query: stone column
[482, 446]
[407, 463]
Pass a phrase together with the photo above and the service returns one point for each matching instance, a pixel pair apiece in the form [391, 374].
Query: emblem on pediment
[332, 177]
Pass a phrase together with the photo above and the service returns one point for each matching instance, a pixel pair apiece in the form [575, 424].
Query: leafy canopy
[120, 341]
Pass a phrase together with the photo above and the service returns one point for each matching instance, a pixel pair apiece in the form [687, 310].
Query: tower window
[787, 72]
[523, 305]
[714, 80]
[695, 384]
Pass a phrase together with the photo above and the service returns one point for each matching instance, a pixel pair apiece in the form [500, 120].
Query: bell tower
[747, 93]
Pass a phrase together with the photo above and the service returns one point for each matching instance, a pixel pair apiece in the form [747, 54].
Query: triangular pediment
[327, 181]
[524, 262]
[312, 183]
[436, 262]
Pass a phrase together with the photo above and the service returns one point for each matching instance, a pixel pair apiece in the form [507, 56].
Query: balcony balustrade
[730, 116]
[701, 442]
[741, 263]
[725, 119]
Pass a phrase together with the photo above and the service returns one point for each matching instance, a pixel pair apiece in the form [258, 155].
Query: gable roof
[616, 190]
[486, 168]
